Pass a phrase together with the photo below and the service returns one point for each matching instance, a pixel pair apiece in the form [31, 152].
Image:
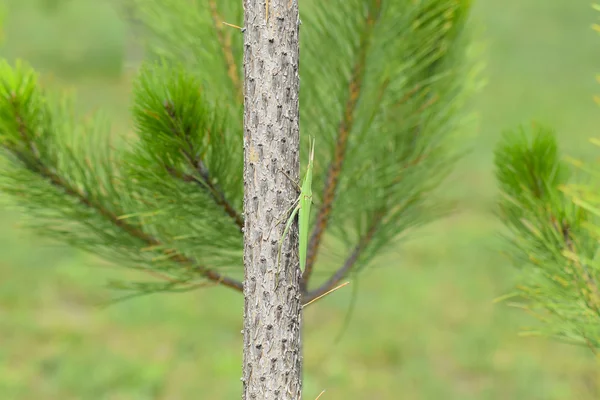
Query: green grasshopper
[301, 207]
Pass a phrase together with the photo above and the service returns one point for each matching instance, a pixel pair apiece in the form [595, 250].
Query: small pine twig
[233, 26]
[326, 293]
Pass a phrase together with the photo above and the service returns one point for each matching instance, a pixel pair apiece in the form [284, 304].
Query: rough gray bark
[272, 367]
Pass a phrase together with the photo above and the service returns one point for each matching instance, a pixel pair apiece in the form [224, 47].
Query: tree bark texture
[272, 366]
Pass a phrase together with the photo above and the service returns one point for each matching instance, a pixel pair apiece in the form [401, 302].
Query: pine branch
[191, 140]
[45, 172]
[49, 179]
[345, 127]
[401, 104]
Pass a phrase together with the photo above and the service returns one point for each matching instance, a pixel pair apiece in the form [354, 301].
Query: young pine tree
[383, 89]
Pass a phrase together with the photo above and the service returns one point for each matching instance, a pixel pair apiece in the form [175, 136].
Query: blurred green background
[425, 326]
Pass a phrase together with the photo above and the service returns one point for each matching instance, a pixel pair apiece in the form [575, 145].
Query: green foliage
[78, 190]
[387, 96]
[384, 84]
[190, 158]
[550, 237]
[397, 71]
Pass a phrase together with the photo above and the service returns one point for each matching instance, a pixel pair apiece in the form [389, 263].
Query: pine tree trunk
[272, 366]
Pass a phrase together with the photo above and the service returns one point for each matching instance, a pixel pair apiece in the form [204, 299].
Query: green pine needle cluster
[552, 236]
[383, 89]
[133, 206]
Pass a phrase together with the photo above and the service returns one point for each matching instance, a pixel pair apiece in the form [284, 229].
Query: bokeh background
[424, 326]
